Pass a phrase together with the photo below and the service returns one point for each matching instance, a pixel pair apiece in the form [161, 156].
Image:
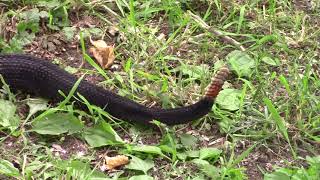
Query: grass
[265, 123]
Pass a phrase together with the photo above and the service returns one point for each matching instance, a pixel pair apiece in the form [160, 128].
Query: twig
[215, 31]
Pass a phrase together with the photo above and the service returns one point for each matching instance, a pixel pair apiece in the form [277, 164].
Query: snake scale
[34, 75]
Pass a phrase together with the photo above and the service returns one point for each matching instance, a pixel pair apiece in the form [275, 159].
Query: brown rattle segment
[217, 82]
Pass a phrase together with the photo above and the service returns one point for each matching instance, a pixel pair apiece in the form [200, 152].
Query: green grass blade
[89, 59]
[63, 103]
[279, 121]
[285, 83]
[241, 156]
[241, 18]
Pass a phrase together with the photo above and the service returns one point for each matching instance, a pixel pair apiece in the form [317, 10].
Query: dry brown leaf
[103, 53]
[116, 161]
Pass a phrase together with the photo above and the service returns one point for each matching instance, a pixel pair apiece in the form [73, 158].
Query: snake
[38, 76]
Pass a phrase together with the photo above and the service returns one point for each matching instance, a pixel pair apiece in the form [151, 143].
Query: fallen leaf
[103, 53]
[116, 161]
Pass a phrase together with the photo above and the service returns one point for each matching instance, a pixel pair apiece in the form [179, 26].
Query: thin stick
[215, 31]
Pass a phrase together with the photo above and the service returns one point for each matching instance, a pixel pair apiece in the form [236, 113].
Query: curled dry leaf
[116, 161]
[103, 53]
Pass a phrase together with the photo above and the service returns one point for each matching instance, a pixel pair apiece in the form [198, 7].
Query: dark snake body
[31, 74]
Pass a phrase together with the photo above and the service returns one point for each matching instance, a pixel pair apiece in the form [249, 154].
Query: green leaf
[36, 105]
[193, 154]
[7, 168]
[139, 164]
[313, 171]
[57, 123]
[209, 153]
[69, 32]
[148, 149]
[78, 170]
[8, 117]
[141, 177]
[49, 4]
[284, 174]
[71, 70]
[101, 134]
[188, 154]
[241, 62]
[19, 40]
[53, 27]
[43, 14]
[212, 171]
[168, 149]
[269, 61]
[182, 155]
[31, 15]
[229, 99]
[91, 32]
[200, 162]
[314, 161]
[234, 173]
[81, 170]
[188, 140]
[23, 26]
